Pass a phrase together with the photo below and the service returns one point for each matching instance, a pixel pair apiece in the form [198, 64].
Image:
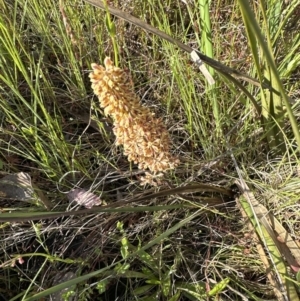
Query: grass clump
[220, 224]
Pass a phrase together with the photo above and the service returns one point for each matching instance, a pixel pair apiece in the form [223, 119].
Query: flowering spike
[145, 139]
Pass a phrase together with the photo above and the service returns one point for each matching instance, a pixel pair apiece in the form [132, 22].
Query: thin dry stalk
[68, 28]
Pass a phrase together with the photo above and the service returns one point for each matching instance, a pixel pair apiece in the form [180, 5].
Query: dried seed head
[145, 138]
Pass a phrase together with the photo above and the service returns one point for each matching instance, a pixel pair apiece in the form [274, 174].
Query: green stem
[112, 32]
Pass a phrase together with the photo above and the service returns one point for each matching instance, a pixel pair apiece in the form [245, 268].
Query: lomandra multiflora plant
[145, 139]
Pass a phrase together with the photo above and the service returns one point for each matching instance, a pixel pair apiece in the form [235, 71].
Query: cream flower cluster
[145, 139]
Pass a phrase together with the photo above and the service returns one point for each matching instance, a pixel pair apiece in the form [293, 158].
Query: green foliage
[273, 100]
[111, 28]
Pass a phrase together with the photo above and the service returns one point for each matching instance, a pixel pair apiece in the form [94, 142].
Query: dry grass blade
[281, 237]
[288, 246]
[259, 216]
[202, 67]
[262, 254]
